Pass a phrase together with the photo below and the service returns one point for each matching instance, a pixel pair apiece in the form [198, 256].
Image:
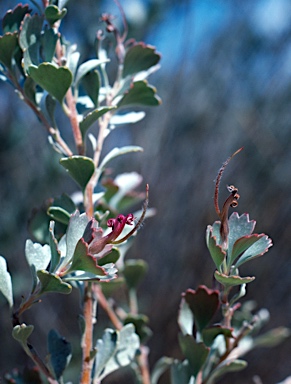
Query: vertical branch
[71, 111]
[88, 334]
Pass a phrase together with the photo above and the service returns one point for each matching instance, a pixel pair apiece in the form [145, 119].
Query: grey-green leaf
[55, 80]
[80, 168]
[22, 332]
[60, 352]
[5, 282]
[52, 283]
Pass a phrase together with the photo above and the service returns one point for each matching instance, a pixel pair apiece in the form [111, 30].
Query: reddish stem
[88, 334]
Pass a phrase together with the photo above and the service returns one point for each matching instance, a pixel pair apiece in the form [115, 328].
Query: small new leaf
[22, 332]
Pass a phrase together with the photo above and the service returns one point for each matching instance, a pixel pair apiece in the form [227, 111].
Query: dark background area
[225, 83]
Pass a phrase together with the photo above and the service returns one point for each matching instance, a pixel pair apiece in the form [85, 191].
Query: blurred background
[225, 82]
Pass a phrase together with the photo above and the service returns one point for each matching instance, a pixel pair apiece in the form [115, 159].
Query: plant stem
[88, 334]
[107, 308]
[143, 365]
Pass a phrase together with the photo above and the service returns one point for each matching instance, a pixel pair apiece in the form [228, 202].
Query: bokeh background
[225, 82]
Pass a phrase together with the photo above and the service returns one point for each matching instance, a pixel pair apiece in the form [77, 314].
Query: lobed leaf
[55, 80]
[84, 261]
[139, 57]
[80, 168]
[13, 18]
[230, 281]
[37, 255]
[115, 350]
[5, 282]
[111, 258]
[204, 303]
[140, 323]
[259, 247]
[239, 226]
[53, 13]
[140, 93]
[52, 283]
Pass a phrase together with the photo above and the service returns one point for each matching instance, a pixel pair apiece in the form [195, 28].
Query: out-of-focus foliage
[226, 84]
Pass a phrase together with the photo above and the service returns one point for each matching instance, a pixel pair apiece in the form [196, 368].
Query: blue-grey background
[225, 82]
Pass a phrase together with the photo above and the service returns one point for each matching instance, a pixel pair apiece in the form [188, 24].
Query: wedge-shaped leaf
[260, 247]
[139, 57]
[209, 334]
[55, 253]
[48, 42]
[134, 271]
[204, 303]
[185, 318]
[22, 332]
[108, 358]
[8, 43]
[13, 18]
[242, 244]
[118, 152]
[53, 13]
[106, 348]
[140, 93]
[229, 365]
[64, 201]
[80, 168]
[111, 258]
[161, 366]
[56, 81]
[37, 254]
[239, 226]
[60, 352]
[5, 282]
[52, 283]
[196, 353]
[229, 281]
[91, 83]
[180, 372]
[29, 40]
[216, 251]
[38, 257]
[87, 67]
[84, 261]
[91, 117]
